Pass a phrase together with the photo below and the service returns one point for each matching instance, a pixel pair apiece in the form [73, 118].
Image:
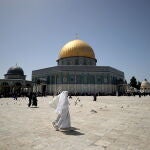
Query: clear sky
[32, 32]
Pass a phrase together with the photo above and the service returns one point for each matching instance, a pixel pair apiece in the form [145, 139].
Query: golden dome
[76, 48]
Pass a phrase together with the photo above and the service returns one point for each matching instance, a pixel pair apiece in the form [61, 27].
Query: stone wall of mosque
[77, 83]
[77, 79]
[80, 89]
[77, 61]
[75, 74]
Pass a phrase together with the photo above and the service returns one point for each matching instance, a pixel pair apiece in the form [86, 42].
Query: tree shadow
[72, 131]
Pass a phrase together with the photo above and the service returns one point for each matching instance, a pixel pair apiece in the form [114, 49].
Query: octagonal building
[76, 72]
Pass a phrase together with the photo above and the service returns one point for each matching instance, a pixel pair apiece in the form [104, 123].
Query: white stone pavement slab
[110, 123]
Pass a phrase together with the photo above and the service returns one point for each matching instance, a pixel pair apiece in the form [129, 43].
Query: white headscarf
[63, 102]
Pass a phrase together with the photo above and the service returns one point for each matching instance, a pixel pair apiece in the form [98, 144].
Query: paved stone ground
[110, 123]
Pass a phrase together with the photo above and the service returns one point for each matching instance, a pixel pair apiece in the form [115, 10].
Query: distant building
[76, 72]
[15, 82]
[145, 87]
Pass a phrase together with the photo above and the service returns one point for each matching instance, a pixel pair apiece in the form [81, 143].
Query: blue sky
[32, 32]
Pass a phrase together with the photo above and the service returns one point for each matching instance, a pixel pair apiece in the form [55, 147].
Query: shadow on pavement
[33, 107]
[73, 131]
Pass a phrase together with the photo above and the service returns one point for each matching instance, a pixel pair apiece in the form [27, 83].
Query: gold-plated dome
[76, 48]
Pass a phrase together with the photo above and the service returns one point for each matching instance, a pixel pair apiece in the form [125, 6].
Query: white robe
[54, 102]
[63, 119]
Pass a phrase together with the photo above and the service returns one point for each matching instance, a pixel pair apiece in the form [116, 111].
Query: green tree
[133, 82]
[138, 85]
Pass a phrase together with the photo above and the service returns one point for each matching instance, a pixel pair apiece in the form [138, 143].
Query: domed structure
[145, 86]
[15, 72]
[77, 48]
[15, 83]
[76, 72]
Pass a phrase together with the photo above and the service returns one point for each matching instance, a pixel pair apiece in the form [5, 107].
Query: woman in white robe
[63, 119]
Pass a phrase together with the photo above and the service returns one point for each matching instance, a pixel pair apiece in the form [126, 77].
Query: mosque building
[76, 72]
[145, 87]
[15, 82]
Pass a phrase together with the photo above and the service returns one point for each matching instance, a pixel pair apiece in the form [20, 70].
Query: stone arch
[28, 85]
[5, 89]
[17, 88]
[4, 84]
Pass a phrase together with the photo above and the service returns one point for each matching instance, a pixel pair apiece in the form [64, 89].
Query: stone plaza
[110, 123]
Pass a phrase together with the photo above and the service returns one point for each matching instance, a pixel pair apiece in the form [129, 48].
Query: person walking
[30, 99]
[62, 121]
[34, 100]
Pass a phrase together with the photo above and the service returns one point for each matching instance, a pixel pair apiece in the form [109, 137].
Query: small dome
[145, 84]
[76, 48]
[15, 70]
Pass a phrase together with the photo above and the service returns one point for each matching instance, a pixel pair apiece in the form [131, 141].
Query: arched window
[76, 62]
[18, 84]
[28, 85]
[4, 84]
